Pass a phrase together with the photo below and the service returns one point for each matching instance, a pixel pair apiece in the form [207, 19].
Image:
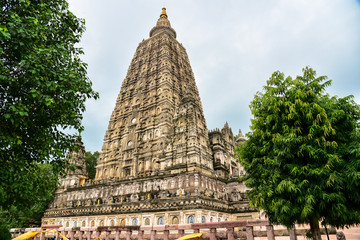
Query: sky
[233, 45]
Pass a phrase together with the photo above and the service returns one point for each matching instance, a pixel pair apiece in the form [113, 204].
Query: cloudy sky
[234, 46]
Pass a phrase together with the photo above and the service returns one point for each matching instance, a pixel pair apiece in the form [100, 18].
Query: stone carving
[340, 236]
[157, 148]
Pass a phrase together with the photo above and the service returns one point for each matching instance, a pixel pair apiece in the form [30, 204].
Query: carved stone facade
[78, 176]
[159, 163]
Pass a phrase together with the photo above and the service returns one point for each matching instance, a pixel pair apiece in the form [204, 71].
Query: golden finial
[163, 13]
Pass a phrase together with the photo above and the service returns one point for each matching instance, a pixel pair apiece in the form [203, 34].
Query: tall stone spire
[163, 24]
[153, 128]
[158, 163]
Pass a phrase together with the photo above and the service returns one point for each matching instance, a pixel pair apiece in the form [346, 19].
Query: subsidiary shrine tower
[159, 163]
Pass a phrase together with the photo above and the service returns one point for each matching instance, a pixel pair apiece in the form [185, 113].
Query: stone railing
[216, 230]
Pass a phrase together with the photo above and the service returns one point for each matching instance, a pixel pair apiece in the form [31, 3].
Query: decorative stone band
[134, 207]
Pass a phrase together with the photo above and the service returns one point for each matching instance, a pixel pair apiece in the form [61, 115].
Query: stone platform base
[151, 218]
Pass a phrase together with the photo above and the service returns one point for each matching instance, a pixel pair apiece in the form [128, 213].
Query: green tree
[302, 154]
[43, 182]
[43, 89]
[91, 160]
[5, 233]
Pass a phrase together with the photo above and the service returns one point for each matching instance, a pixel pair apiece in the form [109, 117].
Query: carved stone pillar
[88, 235]
[270, 232]
[152, 234]
[293, 233]
[72, 235]
[98, 233]
[81, 233]
[107, 235]
[140, 234]
[181, 232]
[117, 234]
[230, 234]
[42, 236]
[128, 234]
[249, 233]
[166, 234]
[212, 233]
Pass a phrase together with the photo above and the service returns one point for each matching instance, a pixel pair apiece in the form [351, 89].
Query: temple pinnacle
[163, 24]
[163, 13]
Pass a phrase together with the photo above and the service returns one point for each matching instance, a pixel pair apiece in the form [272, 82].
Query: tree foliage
[91, 160]
[5, 233]
[302, 156]
[43, 182]
[43, 88]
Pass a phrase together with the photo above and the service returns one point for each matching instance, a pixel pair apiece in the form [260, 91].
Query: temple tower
[158, 123]
[76, 175]
[159, 164]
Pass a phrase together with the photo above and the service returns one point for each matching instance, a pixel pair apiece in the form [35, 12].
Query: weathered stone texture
[159, 163]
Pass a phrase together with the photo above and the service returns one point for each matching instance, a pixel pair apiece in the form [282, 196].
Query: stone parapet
[216, 230]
